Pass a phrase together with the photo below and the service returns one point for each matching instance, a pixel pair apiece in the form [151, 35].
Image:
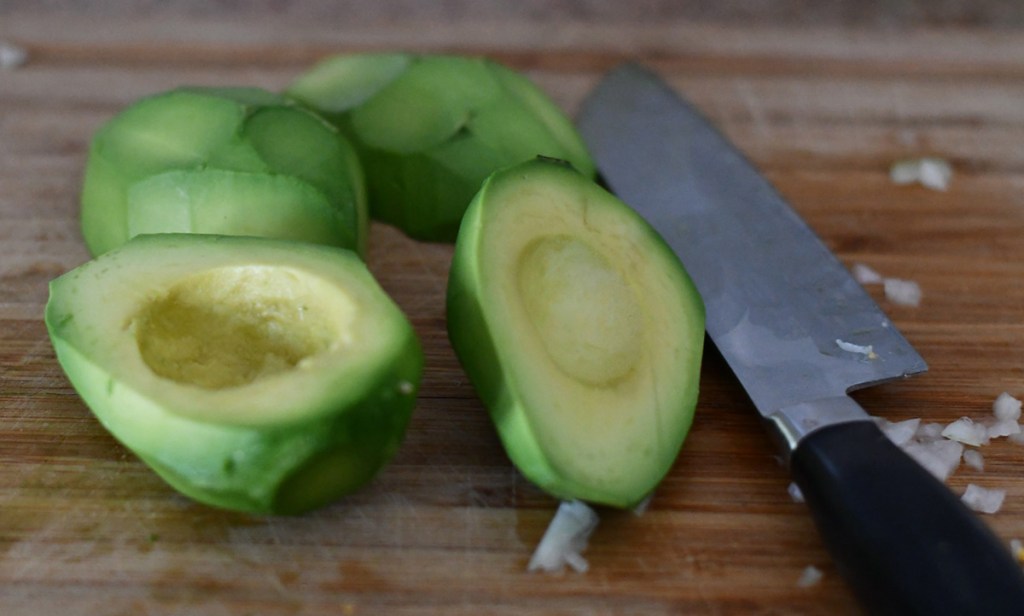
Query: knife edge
[902, 540]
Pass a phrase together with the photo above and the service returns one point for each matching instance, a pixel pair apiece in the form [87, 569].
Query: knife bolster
[791, 424]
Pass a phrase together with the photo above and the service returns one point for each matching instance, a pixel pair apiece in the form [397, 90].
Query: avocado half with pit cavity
[251, 374]
[231, 161]
[579, 329]
[429, 129]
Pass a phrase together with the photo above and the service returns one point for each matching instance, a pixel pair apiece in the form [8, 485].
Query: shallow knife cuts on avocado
[780, 308]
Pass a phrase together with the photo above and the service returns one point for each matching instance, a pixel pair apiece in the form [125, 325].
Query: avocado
[579, 329]
[429, 129]
[234, 161]
[253, 374]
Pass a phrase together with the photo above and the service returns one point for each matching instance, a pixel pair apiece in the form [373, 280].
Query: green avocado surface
[253, 374]
[579, 329]
[429, 129]
[275, 168]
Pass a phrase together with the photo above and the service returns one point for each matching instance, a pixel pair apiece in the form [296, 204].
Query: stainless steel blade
[780, 305]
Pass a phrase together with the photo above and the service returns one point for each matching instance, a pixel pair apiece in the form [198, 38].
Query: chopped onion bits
[565, 539]
[974, 459]
[903, 292]
[934, 173]
[811, 575]
[1006, 407]
[900, 432]
[11, 56]
[897, 290]
[966, 431]
[982, 499]
[865, 275]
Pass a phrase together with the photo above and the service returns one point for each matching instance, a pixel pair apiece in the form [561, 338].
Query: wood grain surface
[824, 109]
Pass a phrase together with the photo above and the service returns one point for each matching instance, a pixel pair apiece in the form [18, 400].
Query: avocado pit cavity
[231, 326]
[584, 311]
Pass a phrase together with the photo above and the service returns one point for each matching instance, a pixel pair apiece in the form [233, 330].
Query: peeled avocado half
[579, 329]
[231, 161]
[260, 375]
[429, 129]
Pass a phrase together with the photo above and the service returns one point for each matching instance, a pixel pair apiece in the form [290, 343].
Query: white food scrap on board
[900, 432]
[11, 56]
[1003, 427]
[565, 539]
[974, 459]
[941, 448]
[1006, 407]
[965, 430]
[1017, 549]
[642, 506]
[810, 576]
[903, 292]
[983, 500]
[940, 458]
[865, 275]
[897, 290]
[934, 173]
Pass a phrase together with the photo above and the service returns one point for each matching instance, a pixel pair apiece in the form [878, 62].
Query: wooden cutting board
[449, 526]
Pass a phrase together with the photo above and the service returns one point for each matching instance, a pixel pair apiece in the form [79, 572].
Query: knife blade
[800, 334]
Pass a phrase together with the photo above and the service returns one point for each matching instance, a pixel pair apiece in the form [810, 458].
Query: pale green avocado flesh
[252, 374]
[257, 140]
[579, 329]
[429, 129]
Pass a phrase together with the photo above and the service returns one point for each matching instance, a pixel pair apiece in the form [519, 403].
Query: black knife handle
[901, 539]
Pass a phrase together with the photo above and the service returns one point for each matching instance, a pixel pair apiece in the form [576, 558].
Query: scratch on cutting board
[418, 256]
[907, 136]
[745, 93]
[35, 353]
[440, 278]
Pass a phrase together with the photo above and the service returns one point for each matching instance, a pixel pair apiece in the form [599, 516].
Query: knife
[781, 309]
